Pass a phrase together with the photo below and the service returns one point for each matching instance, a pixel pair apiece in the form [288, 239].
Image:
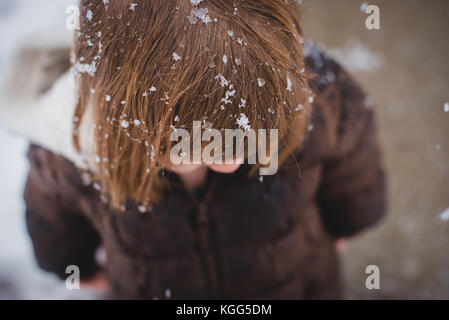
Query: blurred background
[403, 66]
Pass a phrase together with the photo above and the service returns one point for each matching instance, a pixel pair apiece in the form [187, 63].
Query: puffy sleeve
[61, 235]
[352, 194]
[343, 142]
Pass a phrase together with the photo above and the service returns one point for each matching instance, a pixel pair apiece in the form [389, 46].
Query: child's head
[146, 67]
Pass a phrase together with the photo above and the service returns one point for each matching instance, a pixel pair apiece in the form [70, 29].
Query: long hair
[145, 66]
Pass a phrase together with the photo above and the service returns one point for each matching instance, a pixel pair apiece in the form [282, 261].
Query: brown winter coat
[246, 238]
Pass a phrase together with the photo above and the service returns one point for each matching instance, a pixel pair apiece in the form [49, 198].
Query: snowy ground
[403, 66]
[20, 277]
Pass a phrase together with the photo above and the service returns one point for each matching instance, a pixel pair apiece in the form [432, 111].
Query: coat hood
[38, 93]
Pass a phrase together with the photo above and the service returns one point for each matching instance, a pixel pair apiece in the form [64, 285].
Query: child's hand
[341, 244]
[97, 282]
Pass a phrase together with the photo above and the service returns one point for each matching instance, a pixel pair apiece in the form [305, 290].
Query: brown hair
[145, 66]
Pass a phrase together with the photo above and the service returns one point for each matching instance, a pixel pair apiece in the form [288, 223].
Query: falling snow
[363, 6]
[444, 216]
[168, 291]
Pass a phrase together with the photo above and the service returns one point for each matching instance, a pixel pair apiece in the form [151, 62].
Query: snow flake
[137, 123]
[152, 89]
[195, 2]
[90, 69]
[289, 84]
[89, 15]
[238, 61]
[260, 82]
[133, 6]
[223, 81]
[176, 57]
[201, 14]
[86, 178]
[311, 99]
[125, 124]
[225, 59]
[97, 186]
[108, 98]
[243, 122]
[300, 107]
[446, 107]
[228, 94]
[230, 33]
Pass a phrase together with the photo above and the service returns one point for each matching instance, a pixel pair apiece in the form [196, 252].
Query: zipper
[206, 241]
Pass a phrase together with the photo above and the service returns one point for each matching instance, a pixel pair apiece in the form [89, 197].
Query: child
[205, 230]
